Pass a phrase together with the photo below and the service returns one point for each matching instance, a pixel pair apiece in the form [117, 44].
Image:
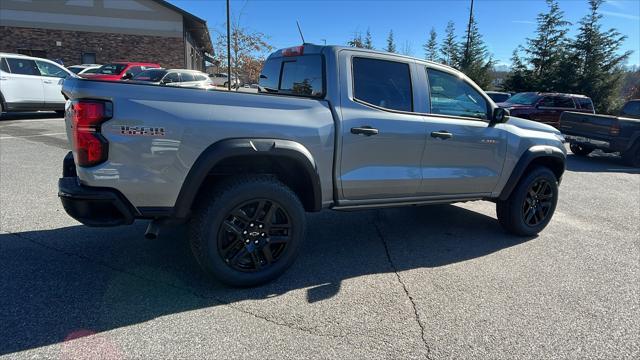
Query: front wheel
[531, 205]
[248, 231]
[580, 150]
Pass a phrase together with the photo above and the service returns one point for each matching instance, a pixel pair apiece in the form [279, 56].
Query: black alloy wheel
[254, 235]
[530, 206]
[537, 202]
[247, 230]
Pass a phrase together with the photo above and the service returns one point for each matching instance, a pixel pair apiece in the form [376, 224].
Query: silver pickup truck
[332, 128]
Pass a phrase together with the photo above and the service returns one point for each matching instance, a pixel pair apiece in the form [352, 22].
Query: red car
[546, 107]
[119, 70]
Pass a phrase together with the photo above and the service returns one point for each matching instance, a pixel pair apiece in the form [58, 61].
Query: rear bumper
[594, 143]
[90, 205]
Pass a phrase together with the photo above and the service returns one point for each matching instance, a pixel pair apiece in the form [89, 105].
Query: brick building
[101, 31]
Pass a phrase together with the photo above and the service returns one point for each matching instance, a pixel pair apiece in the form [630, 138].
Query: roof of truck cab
[310, 48]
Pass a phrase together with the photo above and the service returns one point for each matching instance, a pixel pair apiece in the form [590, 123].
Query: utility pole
[466, 49]
[228, 49]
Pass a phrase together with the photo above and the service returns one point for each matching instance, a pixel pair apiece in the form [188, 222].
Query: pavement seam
[186, 290]
[376, 224]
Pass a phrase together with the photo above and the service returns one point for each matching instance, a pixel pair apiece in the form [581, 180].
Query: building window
[88, 58]
[34, 53]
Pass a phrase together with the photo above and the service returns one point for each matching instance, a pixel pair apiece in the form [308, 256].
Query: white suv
[30, 83]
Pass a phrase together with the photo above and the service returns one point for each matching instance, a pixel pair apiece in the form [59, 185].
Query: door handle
[442, 134]
[47, 81]
[364, 130]
[4, 78]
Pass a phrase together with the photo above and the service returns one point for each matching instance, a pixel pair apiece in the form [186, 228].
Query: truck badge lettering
[141, 130]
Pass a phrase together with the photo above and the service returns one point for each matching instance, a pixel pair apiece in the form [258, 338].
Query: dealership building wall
[102, 31]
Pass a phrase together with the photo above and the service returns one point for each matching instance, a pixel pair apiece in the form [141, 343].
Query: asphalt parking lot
[425, 282]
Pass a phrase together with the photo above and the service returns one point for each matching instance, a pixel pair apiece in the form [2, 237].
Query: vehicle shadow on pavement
[29, 115]
[75, 281]
[599, 162]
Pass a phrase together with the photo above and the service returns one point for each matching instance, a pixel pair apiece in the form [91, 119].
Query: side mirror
[127, 76]
[500, 115]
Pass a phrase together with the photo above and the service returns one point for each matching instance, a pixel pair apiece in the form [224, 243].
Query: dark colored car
[498, 96]
[119, 71]
[587, 132]
[546, 107]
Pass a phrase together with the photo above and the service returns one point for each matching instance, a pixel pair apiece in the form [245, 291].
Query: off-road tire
[631, 157]
[580, 150]
[513, 212]
[209, 227]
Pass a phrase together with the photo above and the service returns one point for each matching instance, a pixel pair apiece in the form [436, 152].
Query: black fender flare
[224, 149]
[534, 154]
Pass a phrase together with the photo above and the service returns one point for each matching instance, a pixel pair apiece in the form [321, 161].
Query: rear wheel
[580, 150]
[531, 205]
[631, 157]
[248, 231]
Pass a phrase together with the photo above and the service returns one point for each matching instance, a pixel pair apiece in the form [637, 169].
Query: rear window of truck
[584, 103]
[298, 76]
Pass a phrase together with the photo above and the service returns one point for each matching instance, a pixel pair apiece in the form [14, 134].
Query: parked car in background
[222, 79]
[498, 96]
[546, 107]
[120, 70]
[31, 84]
[587, 132]
[174, 77]
[84, 68]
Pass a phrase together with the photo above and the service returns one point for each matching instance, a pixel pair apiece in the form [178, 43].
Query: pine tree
[546, 51]
[431, 47]
[391, 46]
[368, 43]
[597, 58]
[475, 61]
[518, 79]
[449, 50]
[356, 41]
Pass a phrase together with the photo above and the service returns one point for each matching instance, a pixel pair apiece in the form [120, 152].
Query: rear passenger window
[585, 103]
[23, 66]
[383, 83]
[186, 77]
[453, 96]
[299, 75]
[171, 78]
[303, 76]
[563, 102]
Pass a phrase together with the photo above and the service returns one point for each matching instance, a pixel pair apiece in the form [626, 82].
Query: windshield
[524, 99]
[111, 69]
[153, 75]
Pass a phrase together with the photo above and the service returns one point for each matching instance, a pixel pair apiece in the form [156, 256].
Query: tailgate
[587, 125]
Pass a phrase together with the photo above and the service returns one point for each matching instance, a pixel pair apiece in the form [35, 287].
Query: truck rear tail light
[90, 147]
[614, 130]
[293, 51]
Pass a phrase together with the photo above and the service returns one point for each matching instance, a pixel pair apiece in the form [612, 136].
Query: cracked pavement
[423, 282]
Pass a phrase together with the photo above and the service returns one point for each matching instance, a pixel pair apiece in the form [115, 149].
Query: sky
[504, 24]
